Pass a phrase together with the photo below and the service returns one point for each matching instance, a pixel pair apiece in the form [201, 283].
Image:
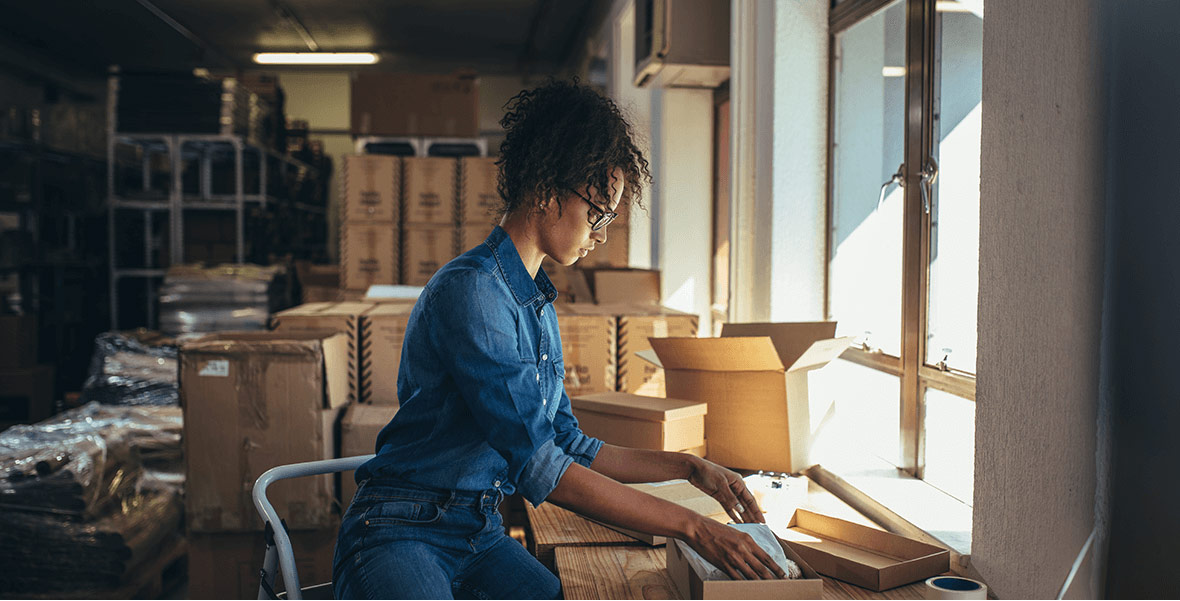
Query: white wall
[1040, 296]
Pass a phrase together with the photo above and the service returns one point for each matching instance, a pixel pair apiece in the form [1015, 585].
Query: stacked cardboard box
[375, 332]
[642, 422]
[253, 401]
[408, 104]
[637, 324]
[589, 345]
[429, 217]
[358, 436]
[26, 389]
[479, 201]
[370, 218]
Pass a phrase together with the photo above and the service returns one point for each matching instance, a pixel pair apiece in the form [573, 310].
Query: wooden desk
[554, 527]
[641, 573]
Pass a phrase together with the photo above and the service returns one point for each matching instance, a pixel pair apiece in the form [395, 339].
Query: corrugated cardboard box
[407, 104]
[682, 493]
[318, 282]
[19, 333]
[368, 255]
[344, 317]
[636, 326]
[754, 378]
[641, 422]
[225, 565]
[479, 201]
[612, 285]
[870, 558]
[588, 346]
[358, 436]
[570, 282]
[385, 331]
[472, 235]
[426, 249]
[253, 401]
[430, 191]
[690, 585]
[372, 186]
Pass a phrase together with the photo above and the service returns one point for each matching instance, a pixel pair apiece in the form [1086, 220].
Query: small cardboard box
[371, 188]
[641, 422]
[869, 558]
[430, 191]
[26, 395]
[640, 287]
[253, 401]
[345, 317]
[588, 345]
[472, 235]
[19, 333]
[688, 582]
[636, 326]
[682, 493]
[427, 248]
[754, 378]
[385, 333]
[479, 201]
[408, 104]
[358, 436]
[368, 255]
[225, 565]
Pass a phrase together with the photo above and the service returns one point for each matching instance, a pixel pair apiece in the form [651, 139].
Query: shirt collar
[526, 290]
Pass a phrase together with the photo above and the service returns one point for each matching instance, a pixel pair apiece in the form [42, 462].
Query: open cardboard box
[754, 378]
[690, 585]
[869, 558]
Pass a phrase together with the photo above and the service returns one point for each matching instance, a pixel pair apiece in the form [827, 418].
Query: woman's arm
[596, 496]
[624, 464]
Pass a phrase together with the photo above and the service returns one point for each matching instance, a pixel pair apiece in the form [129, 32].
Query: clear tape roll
[954, 587]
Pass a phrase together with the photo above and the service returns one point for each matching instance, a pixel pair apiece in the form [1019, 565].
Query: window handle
[928, 174]
[896, 179]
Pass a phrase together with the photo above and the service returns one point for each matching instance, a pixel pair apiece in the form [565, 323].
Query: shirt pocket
[403, 511]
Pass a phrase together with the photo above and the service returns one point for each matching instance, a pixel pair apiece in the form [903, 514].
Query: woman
[483, 410]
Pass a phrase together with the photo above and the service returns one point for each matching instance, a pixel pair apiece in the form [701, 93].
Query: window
[903, 235]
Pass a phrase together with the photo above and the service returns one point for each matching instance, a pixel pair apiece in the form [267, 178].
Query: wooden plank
[554, 527]
[614, 573]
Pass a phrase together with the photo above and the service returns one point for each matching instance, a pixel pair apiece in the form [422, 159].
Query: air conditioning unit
[681, 43]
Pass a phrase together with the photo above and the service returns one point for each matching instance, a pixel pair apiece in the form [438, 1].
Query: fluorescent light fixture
[962, 6]
[888, 71]
[315, 58]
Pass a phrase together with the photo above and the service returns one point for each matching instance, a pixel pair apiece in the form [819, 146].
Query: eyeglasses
[597, 217]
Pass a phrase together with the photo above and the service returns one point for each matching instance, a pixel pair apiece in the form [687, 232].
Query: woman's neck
[523, 232]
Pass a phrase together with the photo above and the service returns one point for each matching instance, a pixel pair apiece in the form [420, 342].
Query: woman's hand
[728, 488]
[733, 551]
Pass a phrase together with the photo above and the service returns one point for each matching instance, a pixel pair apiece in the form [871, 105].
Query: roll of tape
[954, 587]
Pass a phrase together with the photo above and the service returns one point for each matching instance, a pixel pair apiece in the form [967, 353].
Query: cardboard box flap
[820, 353]
[347, 308]
[650, 356]
[717, 354]
[390, 309]
[306, 342]
[638, 407]
[305, 309]
[791, 340]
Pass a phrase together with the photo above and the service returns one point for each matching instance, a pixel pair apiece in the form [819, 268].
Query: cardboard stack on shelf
[253, 401]
[479, 201]
[370, 221]
[429, 217]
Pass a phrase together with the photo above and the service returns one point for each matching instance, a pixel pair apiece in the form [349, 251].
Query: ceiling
[490, 36]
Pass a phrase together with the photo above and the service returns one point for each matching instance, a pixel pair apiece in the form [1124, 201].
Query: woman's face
[565, 234]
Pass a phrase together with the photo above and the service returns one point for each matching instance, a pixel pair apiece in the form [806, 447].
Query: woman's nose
[599, 236]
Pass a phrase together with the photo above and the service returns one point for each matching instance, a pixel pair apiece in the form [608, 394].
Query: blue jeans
[400, 541]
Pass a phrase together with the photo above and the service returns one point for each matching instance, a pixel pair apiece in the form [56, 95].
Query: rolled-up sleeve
[570, 438]
[475, 332]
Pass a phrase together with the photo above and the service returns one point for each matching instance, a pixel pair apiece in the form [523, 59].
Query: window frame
[919, 145]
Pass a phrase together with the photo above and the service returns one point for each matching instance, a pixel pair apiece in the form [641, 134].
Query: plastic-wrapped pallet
[133, 368]
[197, 299]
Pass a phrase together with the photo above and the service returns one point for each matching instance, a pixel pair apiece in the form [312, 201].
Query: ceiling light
[963, 6]
[888, 71]
[315, 58]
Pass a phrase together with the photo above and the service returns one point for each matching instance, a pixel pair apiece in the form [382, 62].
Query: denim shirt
[483, 405]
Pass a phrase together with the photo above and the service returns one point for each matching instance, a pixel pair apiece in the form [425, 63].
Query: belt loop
[450, 499]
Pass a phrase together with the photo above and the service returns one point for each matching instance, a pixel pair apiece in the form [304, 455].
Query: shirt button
[545, 402]
[496, 484]
[544, 357]
[542, 313]
[538, 377]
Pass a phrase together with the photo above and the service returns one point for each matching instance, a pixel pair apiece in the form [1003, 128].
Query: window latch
[896, 179]
[928, 174]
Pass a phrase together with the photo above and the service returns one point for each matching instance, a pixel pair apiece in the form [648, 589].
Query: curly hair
[560, 137]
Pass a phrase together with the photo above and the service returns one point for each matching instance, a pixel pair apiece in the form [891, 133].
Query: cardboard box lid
[638, 407]
[304, 309]
[753, 347]
[715, 354]
[392, 308]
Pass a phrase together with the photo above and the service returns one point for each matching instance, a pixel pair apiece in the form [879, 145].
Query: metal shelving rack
[421, 145]
[174, 202]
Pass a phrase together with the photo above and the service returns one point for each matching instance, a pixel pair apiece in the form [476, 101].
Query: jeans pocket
[405, 512]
